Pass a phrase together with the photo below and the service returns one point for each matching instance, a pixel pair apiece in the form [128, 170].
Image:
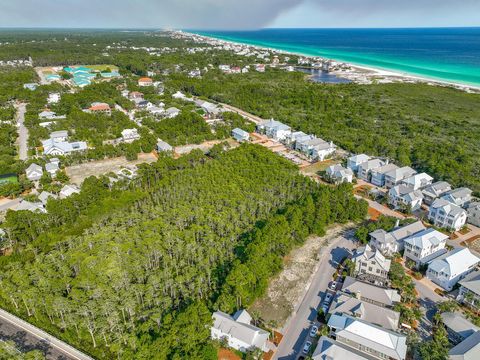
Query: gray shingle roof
[468, 349]
[381, 295]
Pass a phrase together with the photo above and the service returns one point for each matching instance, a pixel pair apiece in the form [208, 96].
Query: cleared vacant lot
[79, 173]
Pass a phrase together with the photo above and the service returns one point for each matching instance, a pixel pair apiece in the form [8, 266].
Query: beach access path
[22, 140]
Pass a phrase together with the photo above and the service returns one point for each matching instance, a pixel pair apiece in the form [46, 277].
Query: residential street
[428, 299]
[296, 329]
[29, 337]
[22, 140]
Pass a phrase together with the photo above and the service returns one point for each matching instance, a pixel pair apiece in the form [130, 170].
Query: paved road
[253, 118]
[428, 299]
[28, 337]
[22, 132]
[8, 204]
[296, 330]
[382, 209]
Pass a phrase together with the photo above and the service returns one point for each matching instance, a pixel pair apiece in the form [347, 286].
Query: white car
[333, 285]
[306, 347]
[313, 331]
[328, 298]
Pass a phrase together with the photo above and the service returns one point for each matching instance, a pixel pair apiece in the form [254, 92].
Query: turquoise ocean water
[448, 54]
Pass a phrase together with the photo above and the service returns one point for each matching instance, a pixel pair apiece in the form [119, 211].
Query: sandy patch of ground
[205, 147]
[78, 173]
[288, 287]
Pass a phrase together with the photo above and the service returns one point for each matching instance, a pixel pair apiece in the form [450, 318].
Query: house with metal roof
[377, 315]
[418, 181]
[329, 349]
[371, 265]
[370, 293]
[338, 174]
[394, 177]
[469, 293]
[354, 162]
[240, 135]
[473, 212]
[403, 197]
[468, 349]
[34, 172]
[458, 327]
[274, 129]
[162, 146]
[393, 241]
[460, 197]
[25, 205]
[445, 214]
[68, 190]
[365, 169]
[378, 175]
[435, 190]
[172, 112]
[452, 267]
[425, 246]
[238, 331]
[368, 338]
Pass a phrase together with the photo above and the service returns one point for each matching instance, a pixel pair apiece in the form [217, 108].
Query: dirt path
[22, 140]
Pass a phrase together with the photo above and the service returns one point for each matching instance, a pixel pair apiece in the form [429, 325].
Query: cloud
[229, 14]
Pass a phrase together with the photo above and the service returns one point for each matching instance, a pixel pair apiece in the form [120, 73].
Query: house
[458, 327]
[469, 293]
[365, 169]
[460, 197]
[260, 68]
[224, 68]
[100, 108]
[172, 112]
[371, 265]
[145, 81]
[394, 177]
[156, 110]
[368, 338]
[179, 96]
[292, 138]
[68, 190]
[61, 135]
[329, 349]
[274, 129]
[473, 213]
[209, 108]
[130, 135]
[45, 196]
[34, 172]
[57, 148]
[30, 86]
[378, 175]
[393, 242]
[338, 174]
[162, 146]
[468, 349]
[445, 214]
[452, 267]
[370, 293]
[238, 331]
[25, 205]
[135, 95]
[404, 197]
[240, 135]
[425, 246]
[315, 148]
[354, 162]
[374, 314]
[52, 168]
[434, 191]
[47, 114]
[53, 98]
[418, 181]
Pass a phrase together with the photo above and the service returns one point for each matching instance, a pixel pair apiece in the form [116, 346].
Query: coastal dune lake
[448, 54]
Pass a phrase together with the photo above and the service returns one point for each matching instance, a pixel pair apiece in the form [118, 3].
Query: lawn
[8, 178]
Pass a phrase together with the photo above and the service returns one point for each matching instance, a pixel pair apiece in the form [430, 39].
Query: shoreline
[359, 73]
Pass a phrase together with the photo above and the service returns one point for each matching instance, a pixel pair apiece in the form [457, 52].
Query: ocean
[447, 54]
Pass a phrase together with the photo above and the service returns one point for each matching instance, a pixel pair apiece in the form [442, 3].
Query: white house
[394, 177]
[434, 191]
[68, 190]
[59, 136]
[469, 292]
[45, 196]
[378, 175]
[418, 181]
[53, 98]
[446, 215]
[274, 129]
[452, 267]
[367, 338]
[57, 148]
[25, 205]
[52, 168]
[162, 146]
[371, 265]
[292, 138]
[460, 197]
[473, 212]
[240, 135]
[145, 81]
[392, 242]
[130, 135]
[402, 196]
[34, 172]
[339, 174]
[238, 331]
[365, 169]
[315, 148]
[329, 349]
[172, 112]
[179, 96]
[425, 246]
[354, 162]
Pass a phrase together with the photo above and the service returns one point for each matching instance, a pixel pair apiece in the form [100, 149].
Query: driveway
[296, 330]
[22, 140]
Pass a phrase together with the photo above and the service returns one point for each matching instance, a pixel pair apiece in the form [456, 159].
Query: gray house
[371, 265]
[240, 135]
[468, 349]
[370, 293]
[392, 242]
[162, 146]
[434, 191]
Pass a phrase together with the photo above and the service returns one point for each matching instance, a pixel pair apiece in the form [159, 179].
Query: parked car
[306, 347]
[313, 331]
[333, 285]
[328, 298]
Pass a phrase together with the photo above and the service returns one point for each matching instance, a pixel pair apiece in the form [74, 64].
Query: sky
[235, 14]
